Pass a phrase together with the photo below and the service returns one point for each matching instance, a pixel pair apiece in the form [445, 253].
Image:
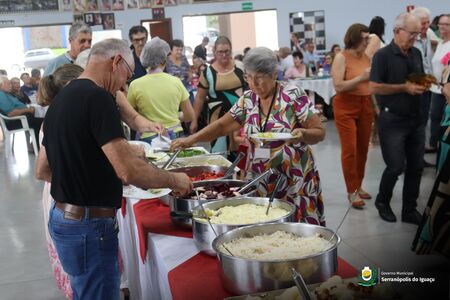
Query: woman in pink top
[299, 68]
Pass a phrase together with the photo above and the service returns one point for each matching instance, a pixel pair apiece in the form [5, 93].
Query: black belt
[77, 213]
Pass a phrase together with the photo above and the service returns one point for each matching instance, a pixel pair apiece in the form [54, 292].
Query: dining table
[323, 86]
[161, 261]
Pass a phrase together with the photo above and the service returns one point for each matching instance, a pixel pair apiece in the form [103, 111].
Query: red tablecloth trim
[153, 216]
[198, 278]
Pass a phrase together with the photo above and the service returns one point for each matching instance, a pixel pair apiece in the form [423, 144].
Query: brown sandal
[364, 195]
[356, 200]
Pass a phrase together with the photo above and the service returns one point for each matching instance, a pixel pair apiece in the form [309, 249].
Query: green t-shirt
[158, 97]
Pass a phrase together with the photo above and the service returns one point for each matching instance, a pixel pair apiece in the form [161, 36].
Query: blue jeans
[436, 114]
[88, 251]
[402, 141]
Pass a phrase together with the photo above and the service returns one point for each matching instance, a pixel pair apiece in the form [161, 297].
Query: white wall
[338, 14]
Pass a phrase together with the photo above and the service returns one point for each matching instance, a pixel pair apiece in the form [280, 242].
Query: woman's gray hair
[261, 60]
[154, 53]
[111, 47]
[400, 21]
[421, 12]
[83, 58]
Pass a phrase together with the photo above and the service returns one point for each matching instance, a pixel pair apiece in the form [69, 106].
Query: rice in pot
[244, 214]
[276, 246]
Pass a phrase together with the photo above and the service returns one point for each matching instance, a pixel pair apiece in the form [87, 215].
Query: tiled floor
[366, 240]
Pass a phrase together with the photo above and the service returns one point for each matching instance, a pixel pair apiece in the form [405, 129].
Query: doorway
[160, 28]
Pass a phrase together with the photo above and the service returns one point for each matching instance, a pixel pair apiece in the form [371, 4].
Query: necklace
[261, 127]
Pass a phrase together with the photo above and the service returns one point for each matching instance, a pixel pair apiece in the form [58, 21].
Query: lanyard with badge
[262, 152]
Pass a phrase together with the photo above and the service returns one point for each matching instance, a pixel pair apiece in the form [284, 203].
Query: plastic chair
[9, 145]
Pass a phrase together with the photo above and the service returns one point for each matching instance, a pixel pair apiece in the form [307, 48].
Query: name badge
[263, 153]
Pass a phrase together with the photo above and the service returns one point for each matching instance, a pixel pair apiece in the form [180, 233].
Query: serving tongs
[230, 170]
[301, 285]
[170, 160]
[208, 219]
[255, 181]
[280, 180]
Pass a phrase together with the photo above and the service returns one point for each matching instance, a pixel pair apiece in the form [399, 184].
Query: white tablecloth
[149, 279]
[322, 86]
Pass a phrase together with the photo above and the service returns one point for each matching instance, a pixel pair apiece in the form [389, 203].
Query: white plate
[131, 191]
[274, 136]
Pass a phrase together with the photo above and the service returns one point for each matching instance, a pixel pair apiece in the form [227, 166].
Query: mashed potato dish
[275, 246]
[244, 214]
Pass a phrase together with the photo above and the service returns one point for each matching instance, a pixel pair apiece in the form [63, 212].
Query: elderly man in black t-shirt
[87, 159]
[400, 124]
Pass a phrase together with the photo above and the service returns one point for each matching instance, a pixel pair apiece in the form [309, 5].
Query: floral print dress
[290, 109]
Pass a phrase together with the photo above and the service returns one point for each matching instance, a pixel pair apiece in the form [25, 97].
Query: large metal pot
[246, 276]
[180, 208]
[203, 233]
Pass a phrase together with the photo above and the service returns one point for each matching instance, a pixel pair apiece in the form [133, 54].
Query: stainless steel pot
[181, 208]
[246, 276]
[204, 235]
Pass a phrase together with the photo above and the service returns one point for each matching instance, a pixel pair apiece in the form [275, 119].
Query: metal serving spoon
[280, 179]
[208, 219]
[343, 218]
[171, 160]
[301, 285]
[230, 170]
[255, 181]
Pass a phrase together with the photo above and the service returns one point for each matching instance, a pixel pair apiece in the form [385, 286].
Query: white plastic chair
[9, 144]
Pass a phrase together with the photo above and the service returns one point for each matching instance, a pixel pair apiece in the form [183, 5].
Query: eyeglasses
[141, 40]
[128, 67]
[411, 33]
[258, 79]
[444, 24]
[223, 52]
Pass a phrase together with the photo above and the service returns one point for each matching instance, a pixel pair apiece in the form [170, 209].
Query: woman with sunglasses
[273, 107]
[223, 84]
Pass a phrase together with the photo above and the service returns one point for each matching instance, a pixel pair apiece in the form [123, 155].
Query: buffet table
[161, 260]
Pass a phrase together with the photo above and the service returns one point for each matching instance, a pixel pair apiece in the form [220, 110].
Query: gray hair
[83, 58]
[400, 21]
[261, 60]
[421, 12]
[79, 27]
[154, 53]
[110, 48]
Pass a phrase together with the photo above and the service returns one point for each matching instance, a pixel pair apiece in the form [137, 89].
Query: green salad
[190, 153]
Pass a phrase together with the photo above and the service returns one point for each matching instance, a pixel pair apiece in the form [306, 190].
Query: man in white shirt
[310, 57]
[286, 59]
[423, 43]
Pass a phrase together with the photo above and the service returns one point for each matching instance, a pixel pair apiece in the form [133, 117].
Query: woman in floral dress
[270, 106]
